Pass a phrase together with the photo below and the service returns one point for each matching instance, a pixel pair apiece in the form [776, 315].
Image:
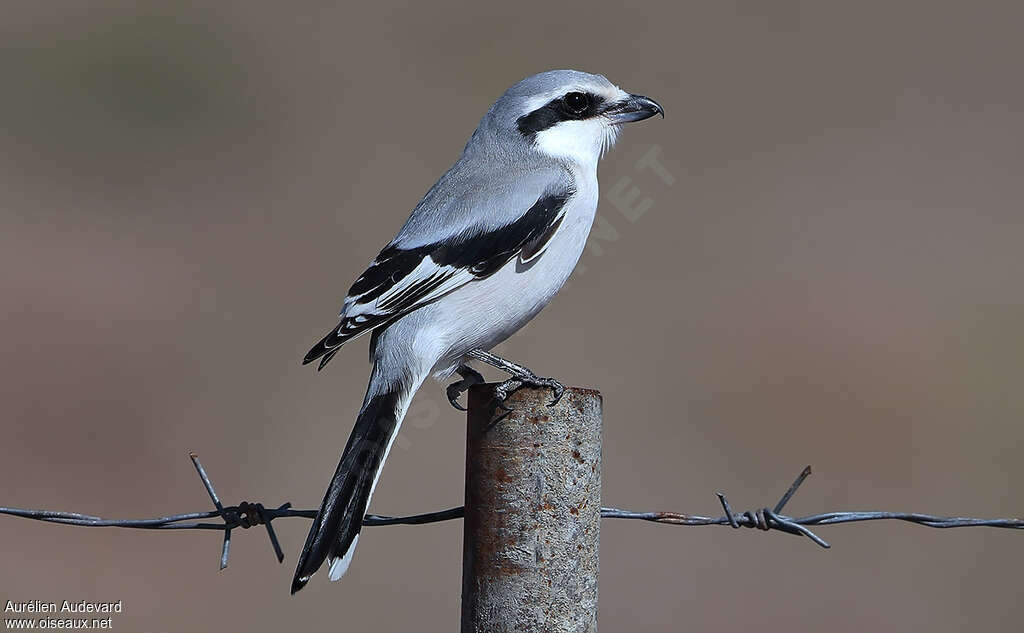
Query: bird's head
[567, 114]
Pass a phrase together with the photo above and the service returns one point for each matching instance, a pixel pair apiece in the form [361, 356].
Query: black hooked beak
[634, 108]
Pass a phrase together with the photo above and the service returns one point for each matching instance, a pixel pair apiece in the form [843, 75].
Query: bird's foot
[520, 377]
[470, 377]
[518, 381]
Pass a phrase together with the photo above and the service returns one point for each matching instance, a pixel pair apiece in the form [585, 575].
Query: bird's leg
[520, 377]
[470, 377]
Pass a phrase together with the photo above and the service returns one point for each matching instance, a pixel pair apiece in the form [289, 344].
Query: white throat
[581, 142]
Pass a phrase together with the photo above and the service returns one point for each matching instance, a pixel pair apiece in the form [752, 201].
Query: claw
[453, 391]
[559, 390]
[470, 377]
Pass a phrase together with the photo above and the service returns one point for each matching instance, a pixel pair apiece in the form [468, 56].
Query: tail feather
[335, 529]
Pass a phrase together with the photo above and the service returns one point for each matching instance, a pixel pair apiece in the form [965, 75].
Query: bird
[485, 249]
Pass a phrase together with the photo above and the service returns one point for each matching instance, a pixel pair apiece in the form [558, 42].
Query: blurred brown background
[833, 277]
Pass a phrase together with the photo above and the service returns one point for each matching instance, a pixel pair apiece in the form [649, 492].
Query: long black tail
[336, 526]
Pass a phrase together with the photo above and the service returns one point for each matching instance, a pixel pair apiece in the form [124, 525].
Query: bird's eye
[577, 101]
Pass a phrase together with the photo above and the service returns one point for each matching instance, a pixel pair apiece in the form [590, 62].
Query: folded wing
[401, 280]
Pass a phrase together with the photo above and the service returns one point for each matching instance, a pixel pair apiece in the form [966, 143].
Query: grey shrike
[482, 253]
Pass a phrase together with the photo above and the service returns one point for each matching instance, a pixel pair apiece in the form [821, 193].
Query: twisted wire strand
[247, 514]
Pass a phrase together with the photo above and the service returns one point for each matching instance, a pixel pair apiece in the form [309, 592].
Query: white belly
[483, 313]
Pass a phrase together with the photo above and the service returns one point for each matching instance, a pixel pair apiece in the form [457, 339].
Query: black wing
[401, 280]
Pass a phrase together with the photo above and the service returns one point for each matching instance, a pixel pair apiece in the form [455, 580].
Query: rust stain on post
[533, 511]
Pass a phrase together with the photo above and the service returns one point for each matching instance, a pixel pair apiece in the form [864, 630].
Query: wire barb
[246, 515]
[765, 519]
[792, 489]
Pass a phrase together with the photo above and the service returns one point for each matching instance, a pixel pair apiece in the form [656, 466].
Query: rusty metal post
[533, 513]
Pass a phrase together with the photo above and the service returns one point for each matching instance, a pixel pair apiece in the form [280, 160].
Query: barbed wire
[246, 515]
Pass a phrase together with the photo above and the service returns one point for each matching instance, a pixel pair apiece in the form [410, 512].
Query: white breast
[483, 313]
